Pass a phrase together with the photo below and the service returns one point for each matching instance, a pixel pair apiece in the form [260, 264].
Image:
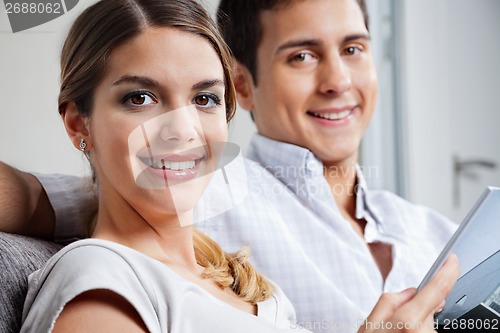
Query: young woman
[146, 92]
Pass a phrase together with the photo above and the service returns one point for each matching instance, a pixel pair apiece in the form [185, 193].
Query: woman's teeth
[172, 165]
[333, 115]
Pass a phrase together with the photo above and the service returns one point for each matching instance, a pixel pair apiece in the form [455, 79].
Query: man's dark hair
[240, 24]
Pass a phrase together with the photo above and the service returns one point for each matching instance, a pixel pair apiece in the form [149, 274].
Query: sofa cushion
[19, 257]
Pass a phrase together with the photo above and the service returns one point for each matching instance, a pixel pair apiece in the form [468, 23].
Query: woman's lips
[173, 168]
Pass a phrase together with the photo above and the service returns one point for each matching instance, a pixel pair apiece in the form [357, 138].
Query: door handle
[459, 166]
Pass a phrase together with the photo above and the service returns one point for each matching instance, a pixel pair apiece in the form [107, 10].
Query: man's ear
[243, 83]
[76, 126]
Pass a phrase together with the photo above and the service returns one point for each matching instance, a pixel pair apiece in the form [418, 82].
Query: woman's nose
[180, 126]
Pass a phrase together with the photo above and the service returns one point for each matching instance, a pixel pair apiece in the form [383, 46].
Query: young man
[306, 72]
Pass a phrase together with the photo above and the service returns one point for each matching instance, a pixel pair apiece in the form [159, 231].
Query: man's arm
[24, 206]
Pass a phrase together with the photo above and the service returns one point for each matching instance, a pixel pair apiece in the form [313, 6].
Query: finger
[440, 307]
[386, 306]
[430, 297]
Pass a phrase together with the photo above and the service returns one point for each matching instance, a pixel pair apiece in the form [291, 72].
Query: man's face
[317, 85]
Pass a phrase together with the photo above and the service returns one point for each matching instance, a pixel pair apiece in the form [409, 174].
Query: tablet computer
[477, 245]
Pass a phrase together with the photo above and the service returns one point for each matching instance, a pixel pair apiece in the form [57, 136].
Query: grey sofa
[19, 257]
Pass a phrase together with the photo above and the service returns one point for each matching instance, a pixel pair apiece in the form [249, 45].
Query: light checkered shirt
[300, 240]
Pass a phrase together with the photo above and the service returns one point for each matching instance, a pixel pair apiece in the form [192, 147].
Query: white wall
[451, 80]
[427, 102]
[32, 136]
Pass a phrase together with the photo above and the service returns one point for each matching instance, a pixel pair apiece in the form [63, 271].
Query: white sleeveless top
[165, 301]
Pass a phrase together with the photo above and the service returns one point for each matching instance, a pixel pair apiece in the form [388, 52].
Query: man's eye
[352, 50]
[302, 57]
[139, 99]
[207, 100]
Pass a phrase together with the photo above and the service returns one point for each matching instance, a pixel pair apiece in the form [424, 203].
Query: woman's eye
[207, 100]
[140, 99]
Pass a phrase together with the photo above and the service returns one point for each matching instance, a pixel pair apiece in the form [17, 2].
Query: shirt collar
[296, 166]
[292, 165]
[287, 162]
[361, 190]
[365, 209]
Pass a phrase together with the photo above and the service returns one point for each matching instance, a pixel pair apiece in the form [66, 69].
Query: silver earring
[83, 145]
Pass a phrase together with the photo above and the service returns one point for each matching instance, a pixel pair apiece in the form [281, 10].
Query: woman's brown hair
[98, 31]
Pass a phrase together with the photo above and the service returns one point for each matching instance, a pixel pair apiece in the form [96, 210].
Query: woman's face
[158, 121]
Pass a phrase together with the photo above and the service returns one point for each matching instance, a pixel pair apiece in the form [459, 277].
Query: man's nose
[335, 76]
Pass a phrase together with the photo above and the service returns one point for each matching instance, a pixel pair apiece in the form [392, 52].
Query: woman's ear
[76, 126]
[243, 83]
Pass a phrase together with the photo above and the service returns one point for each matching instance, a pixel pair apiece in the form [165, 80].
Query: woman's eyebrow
[207, 84]
[150, 83]
[142, 80]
